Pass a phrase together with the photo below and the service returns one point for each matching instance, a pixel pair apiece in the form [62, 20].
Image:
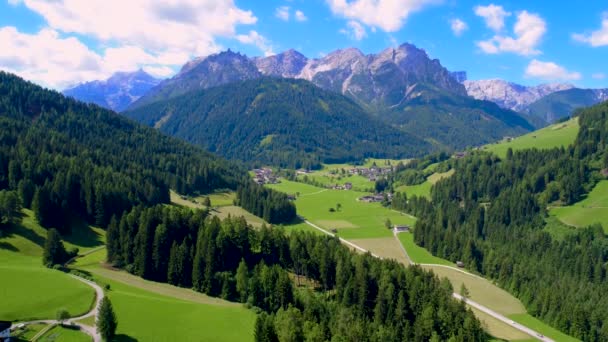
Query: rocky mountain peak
[116, 92]
[286, 64]
[511, 95]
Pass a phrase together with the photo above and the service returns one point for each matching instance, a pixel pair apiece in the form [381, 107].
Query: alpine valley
[353, 197]
[403, 104]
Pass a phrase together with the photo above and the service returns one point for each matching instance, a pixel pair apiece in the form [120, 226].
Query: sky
[60, 43]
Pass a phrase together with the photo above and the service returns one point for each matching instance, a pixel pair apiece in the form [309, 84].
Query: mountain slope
[455, 121]
[510, 95]
[280, 122]
[214, 70]
[115, 93]
[563, 103]
[68, 158]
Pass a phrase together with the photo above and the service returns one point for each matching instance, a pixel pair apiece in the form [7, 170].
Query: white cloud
[159, 71]
[253, 37]
[595, 38]
[354, 30]
[493, 15]
[458, 26]
[282, 13]
[529, 30]
[46, 58]
[14, 2]
[598, 76]
[154, 35]
[300, 16]
[550, 71]
[388, 15]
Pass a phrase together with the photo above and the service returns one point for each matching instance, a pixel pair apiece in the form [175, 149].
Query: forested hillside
[282, 122]
[66, 158]
[454, 121]
[356, 298]
[490, 215]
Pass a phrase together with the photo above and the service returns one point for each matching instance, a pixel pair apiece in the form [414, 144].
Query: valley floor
[363, 224]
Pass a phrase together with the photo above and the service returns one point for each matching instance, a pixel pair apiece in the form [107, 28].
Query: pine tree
[106, 320]
[113, 241]
[54, 251]
[242, 281]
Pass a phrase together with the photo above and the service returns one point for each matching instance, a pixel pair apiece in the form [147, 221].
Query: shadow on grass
[124, 338]
[82, 235]
[7, 246]
[30, 234]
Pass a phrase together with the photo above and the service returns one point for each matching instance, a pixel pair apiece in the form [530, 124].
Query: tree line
[306, 287]
[491, 215]
[272, 206]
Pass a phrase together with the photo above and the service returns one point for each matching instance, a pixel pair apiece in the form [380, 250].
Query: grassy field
[31, 291]
[541, 327]
[386, 248]
[222, 207]
[149, 311]
[593, 209]
[481, 290]
[418, 254]
[499, 329]
[561, 134]
[354, 220]
[64, 334]
[424, 189]
[326, 178]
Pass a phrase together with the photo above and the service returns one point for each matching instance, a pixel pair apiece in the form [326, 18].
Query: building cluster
[346, 186]
[379, 197]
[265, 176]
[371, 173]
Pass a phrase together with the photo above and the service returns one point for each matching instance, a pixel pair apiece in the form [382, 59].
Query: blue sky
[64, 42]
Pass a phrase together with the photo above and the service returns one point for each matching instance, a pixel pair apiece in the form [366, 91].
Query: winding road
[471, 303]
[91, 331]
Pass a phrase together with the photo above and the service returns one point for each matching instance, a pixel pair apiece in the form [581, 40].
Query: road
[476, 305]
[91, 331]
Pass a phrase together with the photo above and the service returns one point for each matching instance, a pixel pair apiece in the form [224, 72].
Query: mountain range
[547, 102]
[117, 92]
[401, 87]
[275, 121]
[417, 103]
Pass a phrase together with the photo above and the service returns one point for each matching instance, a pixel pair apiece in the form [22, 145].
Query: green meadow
[593, 209]
[557, 135]
[534, 323]
[149, 311]
[424, 189]
[418, 254]
[64, 334]
[31, 291]
[352, 220]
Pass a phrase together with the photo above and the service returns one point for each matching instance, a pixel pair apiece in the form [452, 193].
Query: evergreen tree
[54, 251]
[242, 280]
[106, 320]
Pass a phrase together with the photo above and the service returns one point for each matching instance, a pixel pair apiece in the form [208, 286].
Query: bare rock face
[510, 95]
[287, 64]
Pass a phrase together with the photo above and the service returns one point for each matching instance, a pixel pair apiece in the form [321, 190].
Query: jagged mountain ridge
[376, 80]
[117, 92]
[511, 95]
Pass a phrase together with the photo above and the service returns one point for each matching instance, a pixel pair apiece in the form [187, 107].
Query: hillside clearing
[145, 309]
[593, 209]
[557, 135]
